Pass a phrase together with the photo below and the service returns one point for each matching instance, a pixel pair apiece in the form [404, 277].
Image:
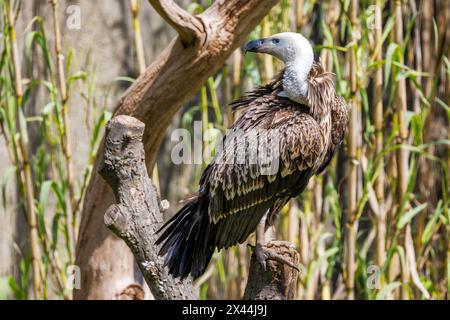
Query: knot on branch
[132, 292]
[123, 149]
[117, 220]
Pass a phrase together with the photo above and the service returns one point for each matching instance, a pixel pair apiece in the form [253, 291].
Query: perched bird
[299, 118]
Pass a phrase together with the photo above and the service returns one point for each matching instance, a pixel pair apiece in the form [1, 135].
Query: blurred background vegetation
[376, 225]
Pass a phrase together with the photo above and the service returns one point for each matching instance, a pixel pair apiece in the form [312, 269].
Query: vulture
[288, 131]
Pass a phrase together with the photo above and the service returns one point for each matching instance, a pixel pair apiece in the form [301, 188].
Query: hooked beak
[259, 45]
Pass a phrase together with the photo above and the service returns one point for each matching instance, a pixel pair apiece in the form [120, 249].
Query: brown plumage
[234, 191]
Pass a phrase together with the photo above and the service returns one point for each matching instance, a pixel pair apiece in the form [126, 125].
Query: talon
[283, 260]
[263, 254]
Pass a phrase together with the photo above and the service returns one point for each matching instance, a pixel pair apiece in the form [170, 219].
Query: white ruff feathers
[298, 57]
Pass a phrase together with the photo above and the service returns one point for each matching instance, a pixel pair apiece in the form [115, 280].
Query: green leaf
[17, 292]
[95, 140]
[5, 179]
[407, 217]
[126, 79]
[204, 291]
[387, 289]
[188, 118]
[221, 268]
[4, 288]
[387, 29]
[43, 195]
[69, 60]
[58, 191]
[429, 228]
[324, 257]
[39, 38]
[416, 128]
[55, 229]
[48, 108]
[195, 8]
[50, 87]
[23, 124]
[82, 75]
[392, 48]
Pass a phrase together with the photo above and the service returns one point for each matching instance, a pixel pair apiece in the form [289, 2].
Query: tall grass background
[376, 225]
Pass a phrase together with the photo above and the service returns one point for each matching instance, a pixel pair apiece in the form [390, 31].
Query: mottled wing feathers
[339, 122]
[301, 141]
[321, 90]
[263, 95]
[242, 189]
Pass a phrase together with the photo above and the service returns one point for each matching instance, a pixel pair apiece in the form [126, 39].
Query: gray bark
[137, 216]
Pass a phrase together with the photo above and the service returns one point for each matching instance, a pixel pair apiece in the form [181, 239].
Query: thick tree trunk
[154, 98]
[137, 215]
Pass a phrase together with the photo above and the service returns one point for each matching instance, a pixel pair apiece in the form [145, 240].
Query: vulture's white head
[297, 54]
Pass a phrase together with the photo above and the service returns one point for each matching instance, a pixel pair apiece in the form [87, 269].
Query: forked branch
[136, 216]
[189, 28]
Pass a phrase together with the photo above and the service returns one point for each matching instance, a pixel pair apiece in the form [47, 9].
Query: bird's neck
[295, 76]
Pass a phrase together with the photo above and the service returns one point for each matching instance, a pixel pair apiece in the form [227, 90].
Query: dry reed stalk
[293, 222]
[237, 69]
[350, 226]
[268, 71]
[138, 43]
[66, 142]
[378, 116]
[25, 163]
[417, 56]
[426, 64]
[402, 153]
[299, 15]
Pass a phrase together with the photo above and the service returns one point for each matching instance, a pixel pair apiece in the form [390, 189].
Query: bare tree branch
[136, 216]
[189, 28]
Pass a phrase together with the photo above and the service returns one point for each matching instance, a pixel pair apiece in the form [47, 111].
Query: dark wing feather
[261, 95]
[339, 122]
[240, 194]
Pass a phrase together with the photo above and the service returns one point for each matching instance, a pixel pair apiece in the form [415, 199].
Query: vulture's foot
[263, 253]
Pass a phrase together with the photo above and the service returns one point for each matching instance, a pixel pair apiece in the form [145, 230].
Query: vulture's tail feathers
[186, 240]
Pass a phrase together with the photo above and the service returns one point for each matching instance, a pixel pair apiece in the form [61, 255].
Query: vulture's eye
[275, 41]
